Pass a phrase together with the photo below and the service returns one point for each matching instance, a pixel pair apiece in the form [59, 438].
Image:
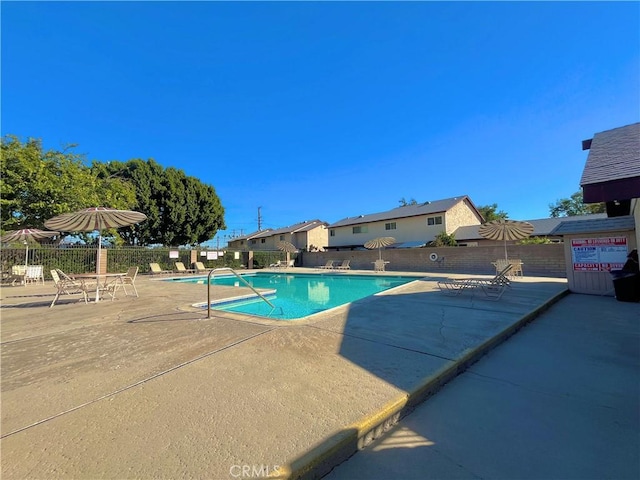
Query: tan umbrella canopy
[503, 229]
[379, 243]
[94, 219]
[287, 247]
[26, 234]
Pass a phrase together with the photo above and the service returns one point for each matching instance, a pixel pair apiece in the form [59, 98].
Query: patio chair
[379, 265]
[18, 274]
[500, 278]
[344, 265]
[516, 271]
[130, 279]
[68, 286]
[327, 266]
[500, 264]
[34, 274]
[279, 264]
[156, 270]
[180, 268]
[516, 264]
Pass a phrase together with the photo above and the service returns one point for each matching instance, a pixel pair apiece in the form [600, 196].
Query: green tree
[444, 239]
[36, 185]
[403, 202]
[180, 210]
[535, 241]
[569, 207]
[490, 212]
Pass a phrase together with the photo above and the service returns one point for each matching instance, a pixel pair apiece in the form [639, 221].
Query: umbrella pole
[505, 249]
[26, 254]
[98, 268]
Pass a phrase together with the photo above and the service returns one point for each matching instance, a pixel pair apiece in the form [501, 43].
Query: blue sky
[328, 110]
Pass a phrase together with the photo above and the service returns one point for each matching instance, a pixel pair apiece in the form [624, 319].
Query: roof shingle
[614, 154]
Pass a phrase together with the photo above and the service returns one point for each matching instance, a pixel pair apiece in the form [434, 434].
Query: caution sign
[598, 254]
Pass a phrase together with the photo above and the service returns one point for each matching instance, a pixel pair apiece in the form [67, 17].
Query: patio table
[380, 266]
[105, 282]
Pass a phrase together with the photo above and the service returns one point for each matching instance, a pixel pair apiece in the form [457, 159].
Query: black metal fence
[82, 259]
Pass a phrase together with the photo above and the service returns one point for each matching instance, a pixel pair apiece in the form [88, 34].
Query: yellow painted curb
[329, 453]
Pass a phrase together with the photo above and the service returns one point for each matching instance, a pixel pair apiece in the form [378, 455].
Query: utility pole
[259, 219]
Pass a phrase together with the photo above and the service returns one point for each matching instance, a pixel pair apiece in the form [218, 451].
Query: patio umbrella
[287, 247]
[25, 235]
[379, 243]
[95, 219]
[503, 229]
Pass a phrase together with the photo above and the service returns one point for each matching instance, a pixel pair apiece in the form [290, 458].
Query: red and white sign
[598, 254]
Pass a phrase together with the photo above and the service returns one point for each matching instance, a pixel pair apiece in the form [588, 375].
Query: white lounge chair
[344, 265]
[327, 266]
[493, 288]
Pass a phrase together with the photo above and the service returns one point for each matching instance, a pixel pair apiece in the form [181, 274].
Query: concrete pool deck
[559, 400]
[149, 387]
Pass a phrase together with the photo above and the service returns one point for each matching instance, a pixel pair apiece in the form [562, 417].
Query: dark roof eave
[620, 189]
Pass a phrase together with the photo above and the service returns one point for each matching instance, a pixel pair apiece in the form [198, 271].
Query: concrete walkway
[149, 387]
[559, 400]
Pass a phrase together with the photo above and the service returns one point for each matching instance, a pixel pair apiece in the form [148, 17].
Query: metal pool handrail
[229, 269]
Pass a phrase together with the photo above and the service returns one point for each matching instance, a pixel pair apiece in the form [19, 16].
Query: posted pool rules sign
[598, 254]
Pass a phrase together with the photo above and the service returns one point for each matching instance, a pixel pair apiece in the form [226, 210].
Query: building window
[332, 233]
[253, 242]
[390, 226]
[263, 240]
[361, 229]
[434, 221]
[281, 237]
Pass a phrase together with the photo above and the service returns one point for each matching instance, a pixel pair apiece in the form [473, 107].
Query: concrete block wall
[538, 260]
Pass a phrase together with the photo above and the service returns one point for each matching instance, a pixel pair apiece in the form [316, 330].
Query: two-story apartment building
[309, 235]
[419, 223]
[243, 241]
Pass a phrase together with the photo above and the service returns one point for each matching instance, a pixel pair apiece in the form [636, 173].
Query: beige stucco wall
[460, 215]
[409, 229]
[303, 240]
[263, 243]
[317, 237]
[237, 245]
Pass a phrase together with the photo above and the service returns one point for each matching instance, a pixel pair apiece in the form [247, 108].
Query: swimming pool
[298, 294]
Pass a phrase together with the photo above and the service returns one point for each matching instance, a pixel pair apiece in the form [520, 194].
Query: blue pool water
[299, 295]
